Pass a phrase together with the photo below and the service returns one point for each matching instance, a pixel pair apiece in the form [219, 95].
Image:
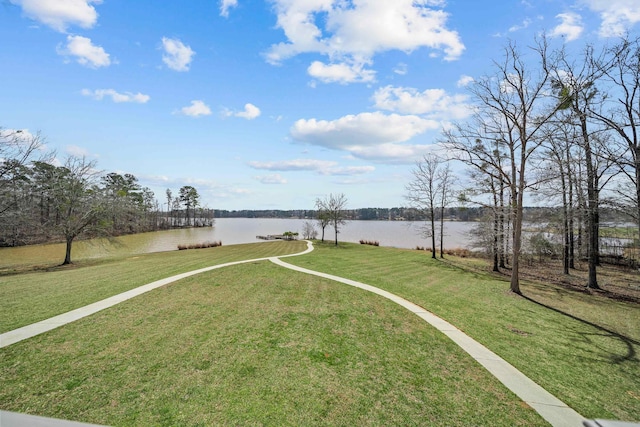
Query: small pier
[276, 237]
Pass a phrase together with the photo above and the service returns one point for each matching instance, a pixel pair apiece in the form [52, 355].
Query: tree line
[41, 201]
[549, 125]
[451, 213]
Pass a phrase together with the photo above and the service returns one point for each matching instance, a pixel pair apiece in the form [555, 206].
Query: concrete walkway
[553, 410]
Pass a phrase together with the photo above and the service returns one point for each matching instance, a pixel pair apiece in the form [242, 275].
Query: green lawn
[254, 344]
[582, 348]
[261, 345]
[30, 297]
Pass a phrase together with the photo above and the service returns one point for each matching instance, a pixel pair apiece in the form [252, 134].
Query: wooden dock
[276, 237]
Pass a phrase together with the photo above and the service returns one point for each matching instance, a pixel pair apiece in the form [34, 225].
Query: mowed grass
[254, 344]
[30, 297]
[582, 348]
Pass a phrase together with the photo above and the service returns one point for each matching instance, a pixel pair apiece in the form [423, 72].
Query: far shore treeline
[467, 214]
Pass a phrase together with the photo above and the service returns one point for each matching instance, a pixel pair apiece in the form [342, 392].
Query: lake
[231, 231]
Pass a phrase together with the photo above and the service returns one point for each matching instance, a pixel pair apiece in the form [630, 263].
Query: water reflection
[235, 231]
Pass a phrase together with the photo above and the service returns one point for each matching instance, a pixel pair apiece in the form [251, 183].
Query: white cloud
[74, 150]
[226, 5]
[85, 52]
[117, 97]
[374, 136]
[401, 69]
[196, 109]
[177, 55]
[435, 103]
[60, 14]
[322, 167]
[464, 81]
[393, 153]
[342, 30]
[362, 129]
[521, 26]
[275, 178]
[351, 170]
[570, 27]
[250, 112]
[294, 165]
[340, 73]
[617, 16]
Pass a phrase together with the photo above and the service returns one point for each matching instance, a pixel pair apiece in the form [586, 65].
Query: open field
[254, 345]
[582, 348]
[30, 297]
[257, 344]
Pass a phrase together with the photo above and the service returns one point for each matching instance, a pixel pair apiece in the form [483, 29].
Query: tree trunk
[517, 243]
[636, 159]
[517, 199]
[565, 221]
[496, 242]
[501, 233]
[442, 232]
[496, 229]
[592, 209]
[572, 249]
[433, 233]
[67, 256]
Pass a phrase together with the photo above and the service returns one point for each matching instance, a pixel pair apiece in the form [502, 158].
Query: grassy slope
[30, 297]
[254, 345]
[586, 356]
[582, 348]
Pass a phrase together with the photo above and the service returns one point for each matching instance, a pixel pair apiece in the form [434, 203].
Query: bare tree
[445, 180]
[17, 149]
[621, 68]
[79, 203]
[575, 85]
[332, 208]
[512, 107]
[429, 191]
[323, 217]
[309, 231]
[558, 158]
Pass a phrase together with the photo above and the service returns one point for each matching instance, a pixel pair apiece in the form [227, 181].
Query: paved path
[553, 410]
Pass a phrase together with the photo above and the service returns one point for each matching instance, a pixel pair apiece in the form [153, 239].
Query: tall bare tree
[322, 216]
[333, 207]
[512, 107]
[445, 180]
[79, 202]
[576, 86]
[17, 149]
[429, 191]
[621, 68]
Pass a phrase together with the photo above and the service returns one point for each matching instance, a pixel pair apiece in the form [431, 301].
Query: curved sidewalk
[46, 325]
[553, 410]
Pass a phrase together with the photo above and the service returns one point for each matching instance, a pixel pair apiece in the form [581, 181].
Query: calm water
[235, 231]
[244, 230]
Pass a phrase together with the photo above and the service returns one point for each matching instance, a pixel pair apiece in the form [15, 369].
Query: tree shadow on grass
[628, 342]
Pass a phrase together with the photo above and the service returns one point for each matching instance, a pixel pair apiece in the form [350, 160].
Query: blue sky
[266, 104]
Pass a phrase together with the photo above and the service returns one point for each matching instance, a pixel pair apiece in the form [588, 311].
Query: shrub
[459, 252]
[290, 235]
[369, 242]
[204, 245]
